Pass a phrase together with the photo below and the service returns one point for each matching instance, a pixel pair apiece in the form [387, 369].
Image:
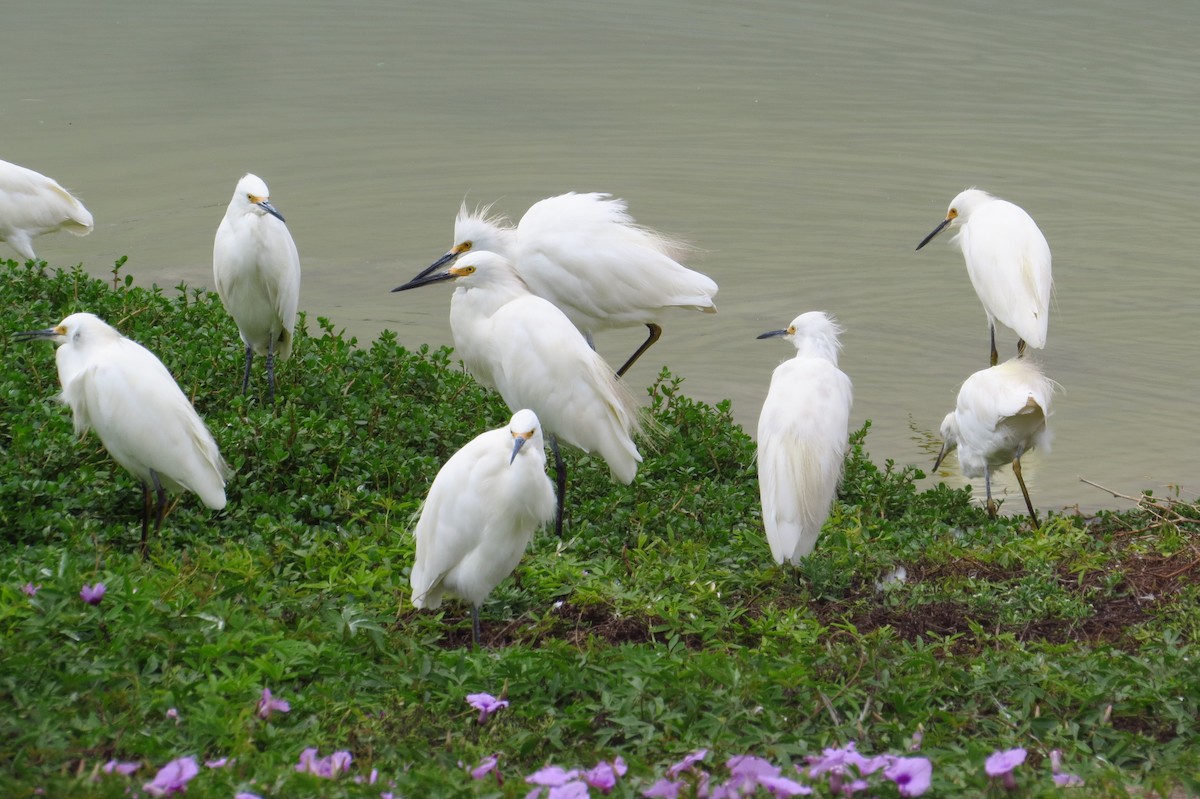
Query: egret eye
[952, 213]
[468, 270]
[792, 330]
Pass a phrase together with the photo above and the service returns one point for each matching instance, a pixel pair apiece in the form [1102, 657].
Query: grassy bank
[656, 627]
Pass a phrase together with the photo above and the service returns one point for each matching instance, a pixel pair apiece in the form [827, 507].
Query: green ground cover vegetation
[658, 624]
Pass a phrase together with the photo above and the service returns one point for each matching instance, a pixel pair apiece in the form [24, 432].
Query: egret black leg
[160, 507]
[271, 372]
[1024, 491]
[995, 354]
[246, 374]
[560, 475]
[655, 334]
[992, 508]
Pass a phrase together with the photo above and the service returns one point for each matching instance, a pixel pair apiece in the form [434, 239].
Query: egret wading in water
[257, 272]
[482, 510]
[118, 388]
[803, 432]
[525, 348]
[1008, 261]
[1001, 414]
[32, 204]
[585, 254]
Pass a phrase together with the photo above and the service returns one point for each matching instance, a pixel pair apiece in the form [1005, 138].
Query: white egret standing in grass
[118, 388]
[803, 432]
[525, 348]
[1000, 415]
[585, 254]
[257, 272]
[481, 512]
[32, 204]
[1008, 261]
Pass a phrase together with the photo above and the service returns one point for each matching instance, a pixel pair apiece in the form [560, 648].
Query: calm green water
[805, 148]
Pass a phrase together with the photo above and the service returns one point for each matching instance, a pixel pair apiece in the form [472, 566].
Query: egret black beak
[270, 209]
[440, 262]
[425, 279]
[33, 335]
[772, 334]
[941, 457]
[936, 231]
[518, 442]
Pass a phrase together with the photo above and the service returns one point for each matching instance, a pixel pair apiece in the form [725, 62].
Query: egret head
[949, 438]
[476, 268]
[75, 329]
[253, 196]
[475, 230]
[525, 429]
[814, 333]
[959, 211]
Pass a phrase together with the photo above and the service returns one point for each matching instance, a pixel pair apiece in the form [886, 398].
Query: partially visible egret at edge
[481, 512]
[1000, 415]
[257, 272]
[803, 432]
[585, 254]
[32, 204]
[525, 348]
[1008, 261]
[121, 390]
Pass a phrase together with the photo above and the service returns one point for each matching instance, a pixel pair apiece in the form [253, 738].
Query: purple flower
[30, 589]
[245, 795]
[268, 705]
[489, 764]
[1062, 779]
[551, 776]
[327, 767]
[220, 762]
[664, 789]
[911, 774]
[1001, 764]
[173, 714]
[686, 764]
[604, 775]
[571, 790]
[173, 777]
[91, 594]
[116, 766]
[486, 704]
[782, 787]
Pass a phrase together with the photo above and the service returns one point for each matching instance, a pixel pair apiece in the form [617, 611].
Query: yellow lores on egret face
[519, 440]
[461, 271]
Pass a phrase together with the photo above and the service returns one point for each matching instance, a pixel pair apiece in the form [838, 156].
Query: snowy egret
[257, 272]
[525, 348]
[1000, 415]
[32, 204]
[803, 432]
[1008, 261]
[118, 388]
[482, 510]
[585, 254]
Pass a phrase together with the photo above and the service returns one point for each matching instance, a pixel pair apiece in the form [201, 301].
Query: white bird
[525, 348]
[585, 254]
[118, 388]
[32, 204]
[482, 510]
[1008, 261]
[257, 272]
[803, 432]
[1000, 415]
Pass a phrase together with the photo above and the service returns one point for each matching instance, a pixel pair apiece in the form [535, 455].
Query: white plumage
[526, 349]
[1001, 414]
[1008, 261]
[803, 432]
[481, 512]
[118, 388]
[585, 254]
[32, 204]
[256, 269]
